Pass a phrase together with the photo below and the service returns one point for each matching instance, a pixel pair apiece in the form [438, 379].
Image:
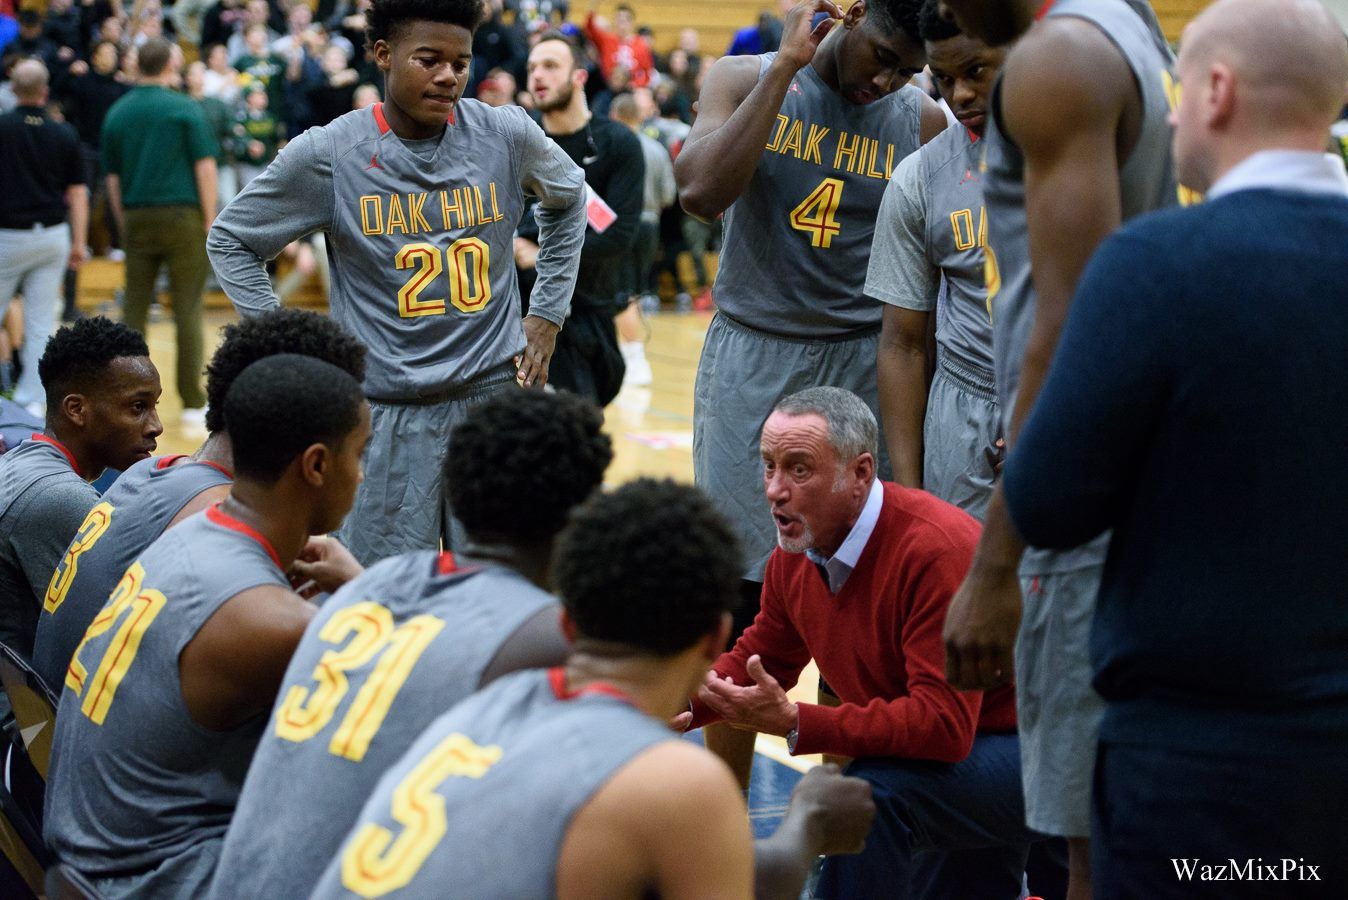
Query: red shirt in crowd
[877, 642]
[632, 53]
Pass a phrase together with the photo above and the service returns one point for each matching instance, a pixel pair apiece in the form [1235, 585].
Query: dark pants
[587, 360]
[175, 235]
[941, 830]
[1156, 809]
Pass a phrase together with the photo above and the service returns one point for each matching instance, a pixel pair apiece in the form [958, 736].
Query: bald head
[1289, 56]
[28, 80]
[1256, 75]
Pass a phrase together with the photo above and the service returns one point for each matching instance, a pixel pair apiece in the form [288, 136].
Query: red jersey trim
[383, 122]
[557, 678]
[166, 461]
[973, 138]
[1043, 10]
[225, 521]
[446, 564]
[219, 468]
[70, 457]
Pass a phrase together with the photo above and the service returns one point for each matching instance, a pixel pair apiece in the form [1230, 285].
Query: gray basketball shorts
[959, 438]
[402, 504]
[741, 376]
[1057, 709]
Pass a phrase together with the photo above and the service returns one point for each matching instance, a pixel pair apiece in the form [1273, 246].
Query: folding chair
[64, 883]
[34, 705]
[22, 853]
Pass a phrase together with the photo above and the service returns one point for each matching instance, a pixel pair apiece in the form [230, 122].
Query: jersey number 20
[468, 261]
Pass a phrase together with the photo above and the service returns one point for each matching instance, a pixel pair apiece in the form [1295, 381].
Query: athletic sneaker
[638, 369]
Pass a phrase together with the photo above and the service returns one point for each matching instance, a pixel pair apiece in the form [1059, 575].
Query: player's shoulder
[947, 149]
[933, 525]
[509, 119]
[675, 774]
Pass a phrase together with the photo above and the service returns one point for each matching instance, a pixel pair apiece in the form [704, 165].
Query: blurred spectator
[620, 47]
[220, 119]
[188, 18]
[366, 95]
[333, 94]
[113, 29]
[255, 12]
[221, 21]
[763, 37]
[497, 46]
[9, 27]
[41, 175]
[146, 21]
[536, 15]
[260, 66]
[258, 133]
[64, 28]
[220, 80]
[33, 42]
[658, 194]
[309, 255]
[498, 88]
[299, 21]
[165, 206]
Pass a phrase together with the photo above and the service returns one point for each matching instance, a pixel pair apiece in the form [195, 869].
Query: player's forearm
[782, 861]
[77, 200]
[715, 169]
[208, 189]
[901, 373]
[113, 183]
[1000, 545]
[561, 234]
[241, 273]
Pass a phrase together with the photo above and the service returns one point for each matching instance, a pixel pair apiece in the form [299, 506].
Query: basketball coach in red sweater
[860, 582]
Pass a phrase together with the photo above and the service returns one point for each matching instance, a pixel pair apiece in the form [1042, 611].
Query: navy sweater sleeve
[1078, 452]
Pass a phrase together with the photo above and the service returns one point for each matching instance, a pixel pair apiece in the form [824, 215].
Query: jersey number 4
[304, 711]
[468, 261]
[817, 214]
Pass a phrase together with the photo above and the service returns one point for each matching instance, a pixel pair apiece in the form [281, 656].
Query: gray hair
[852, 429]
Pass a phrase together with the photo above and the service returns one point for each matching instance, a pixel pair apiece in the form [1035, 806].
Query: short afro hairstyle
[281, 405]
[77, 355]
[651, 566]
[519, 462]
[278, 331]
[386, 18]
[933, 26]
[897, 15]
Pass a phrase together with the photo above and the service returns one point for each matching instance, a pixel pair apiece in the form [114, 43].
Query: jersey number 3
[91, 529]
[468, 261]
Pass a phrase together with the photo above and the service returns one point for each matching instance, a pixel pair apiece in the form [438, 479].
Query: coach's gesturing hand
[542, 341]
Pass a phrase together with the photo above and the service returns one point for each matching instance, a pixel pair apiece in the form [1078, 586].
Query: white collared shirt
[841, 564]
[1307, 171]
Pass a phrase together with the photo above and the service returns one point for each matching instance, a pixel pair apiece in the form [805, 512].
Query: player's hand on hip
[799, 38]
[836, 810]
[980, 628]
[541, 336]
[323, 566]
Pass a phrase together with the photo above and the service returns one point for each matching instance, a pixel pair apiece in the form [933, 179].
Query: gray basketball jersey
[504, 773]
[956, 231]
[797, 240]
[423, 270]
[403, 643]
[1146, 180]
[128, 518]
[29, 474]
[134, 780]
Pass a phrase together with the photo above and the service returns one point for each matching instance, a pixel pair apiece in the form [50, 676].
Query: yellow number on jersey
[375, 862]
[141, 607]
[91, 529]
[992, 276]
[469, 262]
[1173, 93]
[304, 712]
[817, 214]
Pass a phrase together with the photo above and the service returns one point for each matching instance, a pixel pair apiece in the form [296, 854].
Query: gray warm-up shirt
[421, 239]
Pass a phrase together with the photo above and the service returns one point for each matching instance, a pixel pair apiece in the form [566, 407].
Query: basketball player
[416, 634]
[930, 230]
[165, 698]
[1078, 141]
[567, 782]
[419, 198]
[102, 391]
[160, 492]
[795, 148]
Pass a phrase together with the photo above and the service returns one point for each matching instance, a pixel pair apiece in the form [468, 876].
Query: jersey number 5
[817, 214]
[304, 712]
[468, 261]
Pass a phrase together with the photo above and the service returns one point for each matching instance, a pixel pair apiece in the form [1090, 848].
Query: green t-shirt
[221, 122]
[152, 139]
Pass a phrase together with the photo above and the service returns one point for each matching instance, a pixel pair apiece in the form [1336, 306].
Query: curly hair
[652, 566]
[933, 26]
[281, 405]
[76, 355]
[519, 462]
[278, 331]
[896, 15]
[386, 17]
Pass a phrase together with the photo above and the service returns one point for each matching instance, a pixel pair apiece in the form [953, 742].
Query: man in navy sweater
[1196, 405]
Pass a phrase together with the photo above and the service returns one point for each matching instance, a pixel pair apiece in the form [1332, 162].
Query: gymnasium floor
[652, 430]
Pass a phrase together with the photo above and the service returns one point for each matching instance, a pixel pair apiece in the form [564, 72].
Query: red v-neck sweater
[878, 641]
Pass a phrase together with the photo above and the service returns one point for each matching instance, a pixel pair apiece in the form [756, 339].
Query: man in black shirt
[587, 360]
[42, 174]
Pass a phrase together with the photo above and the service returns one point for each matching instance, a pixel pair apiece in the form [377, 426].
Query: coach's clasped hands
[762, 707]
